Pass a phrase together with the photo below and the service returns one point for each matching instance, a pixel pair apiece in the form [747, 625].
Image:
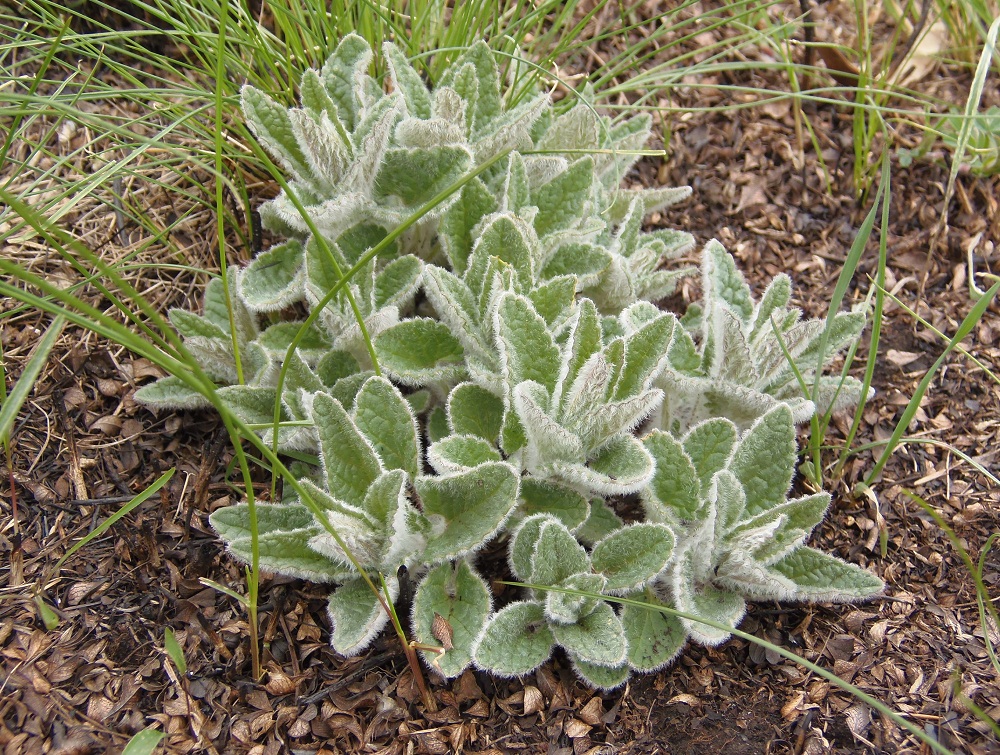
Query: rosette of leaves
[569, 400]
[739, 536]
[602, 644]
[753, 356]
[614, 146]
[377, 293]
[466, 107]
[461, 342]
[210, 340]
[636, 271]
[346, 165]
[571, 407]
[541, 355]
[386, 514]
[361, 161]
[565, 202]
[634, 260]
[330, 356]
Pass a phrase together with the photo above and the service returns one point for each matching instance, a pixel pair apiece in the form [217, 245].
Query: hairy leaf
[417, 175]
[561, 200]
[515, 642]
[407, 81]
[654, 638]
[633, 555]
[623, 466]
[357, 615]
[598, 637]
[465, 510]
[527, 349]
[601, 522]
[673, 493]
[509, 240]
[384, 417]
[522, 545]
[547, 497]
[764, 460]
[473, 410]
[556, 554]
[272, 126]
[725, 284]
[170, 393]
[474, 202]
[459, 597]
[601, 677]
[709, 445]
[284, 532]
[707, 601]
[349, 459]
[420, 351]
[569, 608]
[458, 452]
[820, 577]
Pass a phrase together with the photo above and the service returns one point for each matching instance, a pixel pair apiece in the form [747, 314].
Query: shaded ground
[82, 447]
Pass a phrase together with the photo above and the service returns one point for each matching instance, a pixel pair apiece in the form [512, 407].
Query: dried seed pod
[442, 631]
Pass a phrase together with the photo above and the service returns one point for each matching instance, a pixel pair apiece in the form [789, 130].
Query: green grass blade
[970, 321]
[241, 599]
[876, 334]
[819, 424]
[144, 742]
[49, 617]
[851, 265]
[985, 604]
[220, 217]
[982, 600]
[100, 529]
[173, 648]
[15, 126]
[968, 123]
[62, 242]
[13, 401]
[958, 347]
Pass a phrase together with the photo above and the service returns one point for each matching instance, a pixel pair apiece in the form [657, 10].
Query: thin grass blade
[13, 401]
[970, 321]
[100, 529]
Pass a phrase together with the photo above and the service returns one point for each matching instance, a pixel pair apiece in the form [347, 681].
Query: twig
[75, 470]
[368, 665]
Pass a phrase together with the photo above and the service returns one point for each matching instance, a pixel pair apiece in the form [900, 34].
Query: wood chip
[442, 631]
[685, 698]
[299, 728]
[592, 712]
[574, 728]
[534, 701]
[793, 707]
[279, 683]
[902, 358]
[859, 718]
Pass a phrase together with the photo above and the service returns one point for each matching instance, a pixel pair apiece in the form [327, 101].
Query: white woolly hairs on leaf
[376, 621]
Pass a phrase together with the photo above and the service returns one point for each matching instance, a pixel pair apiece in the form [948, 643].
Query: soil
[82, 447]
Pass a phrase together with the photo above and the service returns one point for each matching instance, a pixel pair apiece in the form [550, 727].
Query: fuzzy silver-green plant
[753, 356]
[544, 551]
[529, 382]
[724, 494]
[370, 462]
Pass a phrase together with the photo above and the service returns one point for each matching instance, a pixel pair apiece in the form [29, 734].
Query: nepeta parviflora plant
[524, 385]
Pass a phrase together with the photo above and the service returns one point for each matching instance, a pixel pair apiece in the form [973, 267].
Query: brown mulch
[82, 447]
